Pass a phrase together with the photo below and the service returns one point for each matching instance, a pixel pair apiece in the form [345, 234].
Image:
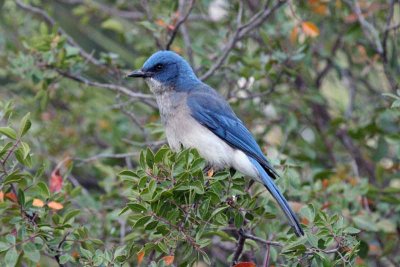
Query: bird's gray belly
[183, 130]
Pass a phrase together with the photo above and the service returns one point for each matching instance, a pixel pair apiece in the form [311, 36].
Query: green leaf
[206, 258]
[142, 221]
[4, 246]
[142, 159]
[45, 192]
[238, 220]
[10, 239]
[11, 257]
[25, 125]
[71, 51]
[220, 209]
[114, 25]
[308, 212]
[163, 247]
[7, 131]
[5, 148]
[152, 186]
[123, 211]
[86, 253]
[148, 25]
[128, 175]
[97, 241]
[21, 197]
[31, 252]
[395, 104]
[71, 215]
[65, 258]
[137, 207]
[197, 186]
[151, 225]
[365, 223]
[159, 156]
[149, 158]
[13, 177]
[25, 149]
[351, 230]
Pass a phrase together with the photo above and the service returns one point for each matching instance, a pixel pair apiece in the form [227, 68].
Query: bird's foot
[210, 172]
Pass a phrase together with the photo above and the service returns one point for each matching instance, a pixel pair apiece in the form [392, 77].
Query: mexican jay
[196, 116]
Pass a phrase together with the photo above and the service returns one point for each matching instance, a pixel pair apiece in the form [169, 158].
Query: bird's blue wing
[213, 112]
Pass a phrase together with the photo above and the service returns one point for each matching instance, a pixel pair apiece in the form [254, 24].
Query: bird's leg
[250, 184]
[209, 170]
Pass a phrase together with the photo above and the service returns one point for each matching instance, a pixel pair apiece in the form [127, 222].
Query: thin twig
[57, 256]
[179, 23]
[267, 256]
[149, 15]
[185, 35]
[76, 183]
[241, 31]
[386, 32]
[104, 155]
[393, 27]
[369, 30]
[112, 87]
[239, 248]
[258, 239]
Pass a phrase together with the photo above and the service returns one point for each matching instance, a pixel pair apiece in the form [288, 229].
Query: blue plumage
[274, 190]
[212, 111]
[195, 115]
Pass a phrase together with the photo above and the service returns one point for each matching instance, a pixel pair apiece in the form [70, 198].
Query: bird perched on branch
[196, 116]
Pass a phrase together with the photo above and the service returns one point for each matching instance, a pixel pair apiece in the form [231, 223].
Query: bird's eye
[159, 67]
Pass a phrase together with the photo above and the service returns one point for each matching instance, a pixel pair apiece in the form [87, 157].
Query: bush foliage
[86, 178]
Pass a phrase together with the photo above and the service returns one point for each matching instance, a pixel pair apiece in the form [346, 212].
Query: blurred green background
[316, 81]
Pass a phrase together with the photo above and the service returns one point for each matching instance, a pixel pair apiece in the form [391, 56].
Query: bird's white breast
[183, 130]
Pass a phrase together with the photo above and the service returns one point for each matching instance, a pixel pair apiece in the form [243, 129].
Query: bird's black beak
[138, 74]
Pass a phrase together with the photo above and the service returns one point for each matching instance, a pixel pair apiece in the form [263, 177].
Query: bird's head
[165, 70]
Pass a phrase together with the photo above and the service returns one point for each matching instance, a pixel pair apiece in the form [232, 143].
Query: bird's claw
[210, 172]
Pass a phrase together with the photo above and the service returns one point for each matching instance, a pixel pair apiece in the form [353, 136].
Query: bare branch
[388, 74]
[329, 63]
[134, 119]
[112, 87]
[241, 31]
[369, 30]
[267, 256]
[179, 23]
[149, 15]
[365, 166]
[185, 34]
[258, 239]
[351, 86]
[386, 32]
[104, 155]
[239, 248]
[393, 27]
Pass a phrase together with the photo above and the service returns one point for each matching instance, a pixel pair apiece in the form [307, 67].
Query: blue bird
[196, 116]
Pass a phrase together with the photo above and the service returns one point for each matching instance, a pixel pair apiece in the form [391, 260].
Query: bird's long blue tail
[274, 190]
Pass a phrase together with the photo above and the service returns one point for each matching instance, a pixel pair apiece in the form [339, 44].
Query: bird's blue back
[213, 112]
